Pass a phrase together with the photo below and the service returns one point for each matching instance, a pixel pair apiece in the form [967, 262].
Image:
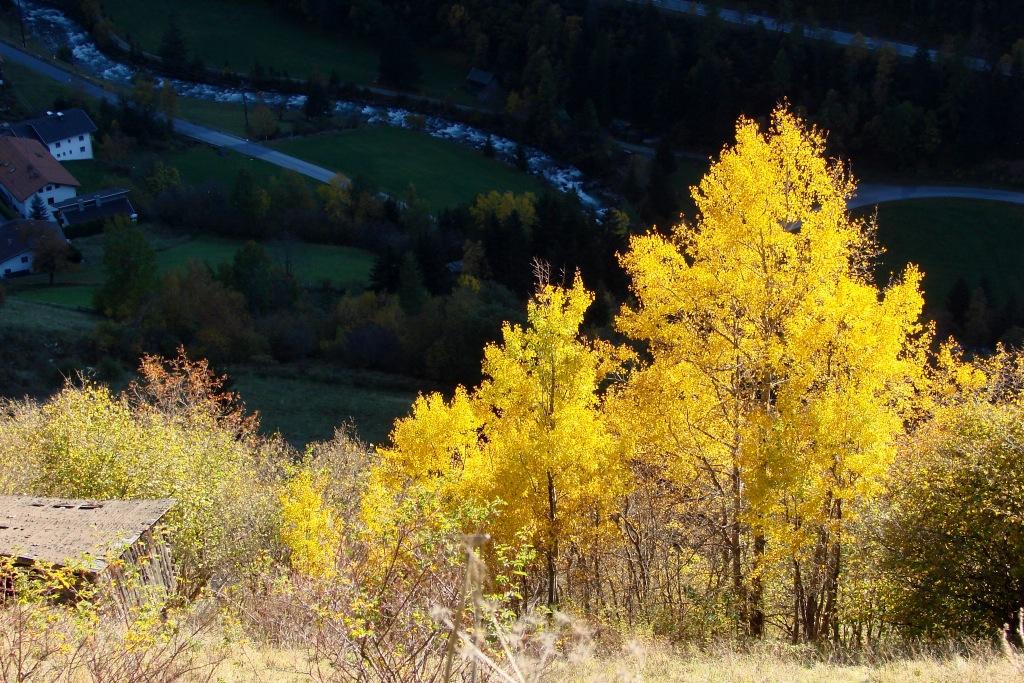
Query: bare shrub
[54, 626]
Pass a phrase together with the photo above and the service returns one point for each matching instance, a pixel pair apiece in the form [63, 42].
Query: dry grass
[653, 663]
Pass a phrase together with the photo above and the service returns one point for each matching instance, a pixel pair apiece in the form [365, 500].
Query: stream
[56, 30]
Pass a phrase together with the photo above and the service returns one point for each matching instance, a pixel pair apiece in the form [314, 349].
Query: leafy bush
[170, 436]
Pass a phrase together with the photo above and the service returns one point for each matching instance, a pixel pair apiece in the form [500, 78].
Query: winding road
[188, 129]
[843, 38]
[868, 194]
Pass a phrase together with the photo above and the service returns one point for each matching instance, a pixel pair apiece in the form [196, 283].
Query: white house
[17, 246]
[27, 170]
[67, 134]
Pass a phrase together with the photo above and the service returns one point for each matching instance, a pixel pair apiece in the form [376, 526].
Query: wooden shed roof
[63, 531]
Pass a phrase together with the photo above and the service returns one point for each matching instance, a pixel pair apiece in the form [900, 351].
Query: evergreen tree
[399, 65]
[173, 51]
[522, 161]
[318, 102]
[412, 293]
[957, 301]
[662, 201]
[978, 320]
[38, 210]
[385, 271]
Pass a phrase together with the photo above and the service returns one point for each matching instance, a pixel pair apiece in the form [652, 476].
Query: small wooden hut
[106, 540]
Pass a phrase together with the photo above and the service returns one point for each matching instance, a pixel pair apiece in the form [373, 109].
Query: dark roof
[72, 215]
[26, 166]
[16, 236]
[62, 531]
[108, 194]
[480, 77]
[55, 126]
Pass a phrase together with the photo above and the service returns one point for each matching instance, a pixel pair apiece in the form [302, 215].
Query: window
[49, 200]
[24, 259]
[81, 149]
[58, 145]
[80, 138]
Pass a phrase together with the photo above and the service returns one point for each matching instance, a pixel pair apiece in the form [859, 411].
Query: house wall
[10, 200]
[75, 147]
[16, 264]
[54, 195]
[58, 194]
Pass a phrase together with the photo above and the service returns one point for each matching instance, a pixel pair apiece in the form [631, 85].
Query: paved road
[871, 194]
[868, 195]
[188, 129]
[772, 24]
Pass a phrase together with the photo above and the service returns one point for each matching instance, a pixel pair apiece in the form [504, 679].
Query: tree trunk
[735, 557]
[830, 619]
[798, 590]
[756, 624]
[552, 549]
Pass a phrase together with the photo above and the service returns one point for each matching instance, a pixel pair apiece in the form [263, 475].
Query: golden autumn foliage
[309, 528]
[774, 383]
[531, 437]
[779, 374]
[777, 449]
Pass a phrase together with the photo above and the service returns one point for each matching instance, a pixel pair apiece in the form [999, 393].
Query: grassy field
[306, 402]
[947, 238]
[953, 238]
[31, 318]
[33, 92]
[444, 173]
[638, 659]
[313, 264]
[95, 175]
[198, 164]
[225, 116]
[236, 35]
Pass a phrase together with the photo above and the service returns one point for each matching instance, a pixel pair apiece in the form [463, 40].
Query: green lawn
[33, 92]
[306, 402]
[235, 35]
[313, 264]
[226, 116]
[201, 163]
[445, 173]
[95, 175]
[953, 238]
[30, 318]
[198, 164]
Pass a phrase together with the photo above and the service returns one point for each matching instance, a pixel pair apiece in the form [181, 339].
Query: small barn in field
[106, 540]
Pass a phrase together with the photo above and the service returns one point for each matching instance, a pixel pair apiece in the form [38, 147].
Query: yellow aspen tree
[778, 373]
[310, 529]
[531, 436]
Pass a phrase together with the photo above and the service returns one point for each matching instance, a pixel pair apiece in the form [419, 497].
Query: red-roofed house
[27, 170]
